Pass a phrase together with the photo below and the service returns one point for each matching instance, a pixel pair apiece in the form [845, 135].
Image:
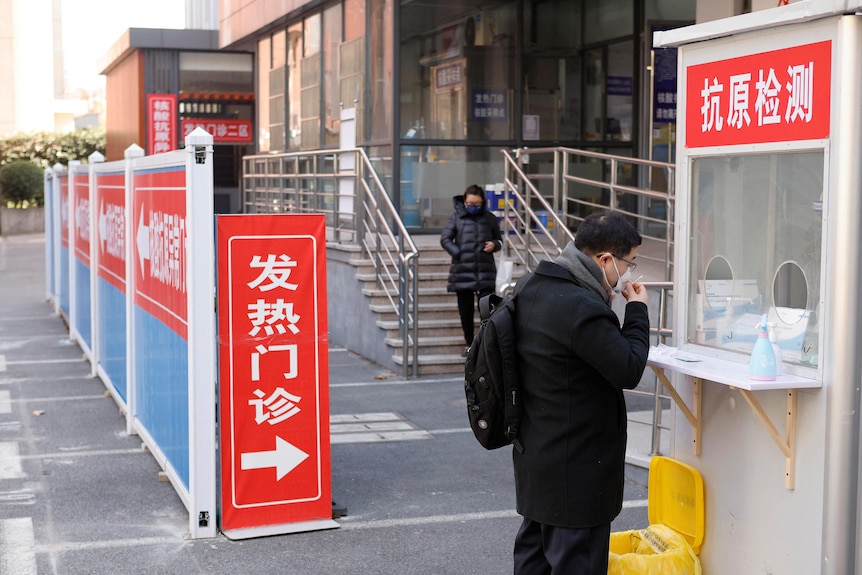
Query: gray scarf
[585, 269]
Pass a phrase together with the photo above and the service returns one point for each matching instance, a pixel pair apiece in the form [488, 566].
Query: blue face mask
[473, 210]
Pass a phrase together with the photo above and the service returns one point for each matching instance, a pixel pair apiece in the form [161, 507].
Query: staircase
[440, 338]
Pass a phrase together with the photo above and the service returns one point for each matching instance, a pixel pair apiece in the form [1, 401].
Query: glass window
[381, 160]
[276, 101]
[332, 31]
[216, 72]
[552, 24]
[608, 92]
[755, 248]
[608, 19]
[594, 94]
[432, 175]
[670, 10]
[354, 19]
[552, 70]
[293, 86]
[457, 70]
[279, 49]
[311, 35]
[264, 62]
[310, 76]
[619, 86]
[380, 70]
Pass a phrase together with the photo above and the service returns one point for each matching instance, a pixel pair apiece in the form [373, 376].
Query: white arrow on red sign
[284, 458]
[143, 239]
[103, 226]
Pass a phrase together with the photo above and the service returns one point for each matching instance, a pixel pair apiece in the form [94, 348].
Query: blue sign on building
[489, 105]
[664, 86]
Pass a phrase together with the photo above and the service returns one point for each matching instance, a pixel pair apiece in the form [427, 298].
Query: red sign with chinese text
[111, 228]
[162, 126]
[222, 131]
[159, 245]
[81, 203]
[777, 96]
[274, 376]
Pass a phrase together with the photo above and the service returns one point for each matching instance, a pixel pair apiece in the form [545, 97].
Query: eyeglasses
[474, 204]
[632, 266]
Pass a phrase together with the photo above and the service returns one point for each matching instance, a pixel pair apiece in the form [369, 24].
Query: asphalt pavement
[79, 495]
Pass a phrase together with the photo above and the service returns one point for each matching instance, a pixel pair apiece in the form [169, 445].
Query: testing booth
[768, 222]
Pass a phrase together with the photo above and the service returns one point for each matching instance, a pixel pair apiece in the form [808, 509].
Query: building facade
[162, 84]
[439, 88]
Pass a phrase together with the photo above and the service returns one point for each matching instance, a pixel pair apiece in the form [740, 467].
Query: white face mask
[623, 278]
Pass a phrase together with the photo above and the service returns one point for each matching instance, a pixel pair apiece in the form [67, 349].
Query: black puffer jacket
[464, 238]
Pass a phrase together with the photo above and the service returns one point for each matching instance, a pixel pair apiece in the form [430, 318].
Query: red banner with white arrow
[274, 379]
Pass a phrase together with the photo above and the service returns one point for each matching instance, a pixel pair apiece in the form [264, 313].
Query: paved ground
[79, 495]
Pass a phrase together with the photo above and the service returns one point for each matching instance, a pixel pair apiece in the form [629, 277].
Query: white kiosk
[768, 221]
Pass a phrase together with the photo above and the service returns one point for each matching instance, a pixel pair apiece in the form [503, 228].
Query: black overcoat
[464, 239]
[574, 362]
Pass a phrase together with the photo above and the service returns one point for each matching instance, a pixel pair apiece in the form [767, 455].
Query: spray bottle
[761, 366]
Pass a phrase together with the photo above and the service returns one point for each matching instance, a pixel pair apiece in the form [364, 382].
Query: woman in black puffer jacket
[471, 237]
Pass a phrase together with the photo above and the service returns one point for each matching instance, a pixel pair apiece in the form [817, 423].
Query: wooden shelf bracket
[787, 443]
[692, 415]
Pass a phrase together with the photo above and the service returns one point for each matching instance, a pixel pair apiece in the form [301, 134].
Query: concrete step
[432, 345]
[425, 291]
[426, 327]
[443, 299]
[426, 310]
[433, 271]
[436, 364]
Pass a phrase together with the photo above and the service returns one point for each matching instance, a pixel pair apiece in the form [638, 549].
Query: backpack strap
[487, 305]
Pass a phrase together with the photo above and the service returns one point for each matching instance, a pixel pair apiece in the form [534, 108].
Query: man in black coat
[471, 237]
[575, 360]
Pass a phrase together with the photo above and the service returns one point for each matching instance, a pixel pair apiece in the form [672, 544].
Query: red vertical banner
[81, 203]
[161, 123]
[274, 376]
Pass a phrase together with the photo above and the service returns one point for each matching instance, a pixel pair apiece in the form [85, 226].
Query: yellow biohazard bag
[669, 546]
[656, 550]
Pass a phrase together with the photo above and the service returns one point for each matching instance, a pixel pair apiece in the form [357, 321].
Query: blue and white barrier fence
[130, 266]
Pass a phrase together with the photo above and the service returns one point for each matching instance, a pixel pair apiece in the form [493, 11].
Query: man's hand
[635, 291]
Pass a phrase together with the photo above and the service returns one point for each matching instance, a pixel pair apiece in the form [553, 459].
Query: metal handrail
[395, 256]
[310, 182]
[562, 204]
[661, 333]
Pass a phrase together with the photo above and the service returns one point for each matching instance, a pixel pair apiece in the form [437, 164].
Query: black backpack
[491, 374]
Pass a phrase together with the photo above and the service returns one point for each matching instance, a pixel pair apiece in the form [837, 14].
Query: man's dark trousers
[546, 550]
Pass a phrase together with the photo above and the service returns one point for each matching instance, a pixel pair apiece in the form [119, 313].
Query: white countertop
[723, 371]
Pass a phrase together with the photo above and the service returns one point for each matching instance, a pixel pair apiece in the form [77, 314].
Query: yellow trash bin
[670, 544]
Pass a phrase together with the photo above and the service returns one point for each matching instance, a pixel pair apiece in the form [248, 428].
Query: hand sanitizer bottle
[776, 349]
[761, 366]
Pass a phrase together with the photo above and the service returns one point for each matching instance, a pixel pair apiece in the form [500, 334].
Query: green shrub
[22, 184]
[47, 148]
